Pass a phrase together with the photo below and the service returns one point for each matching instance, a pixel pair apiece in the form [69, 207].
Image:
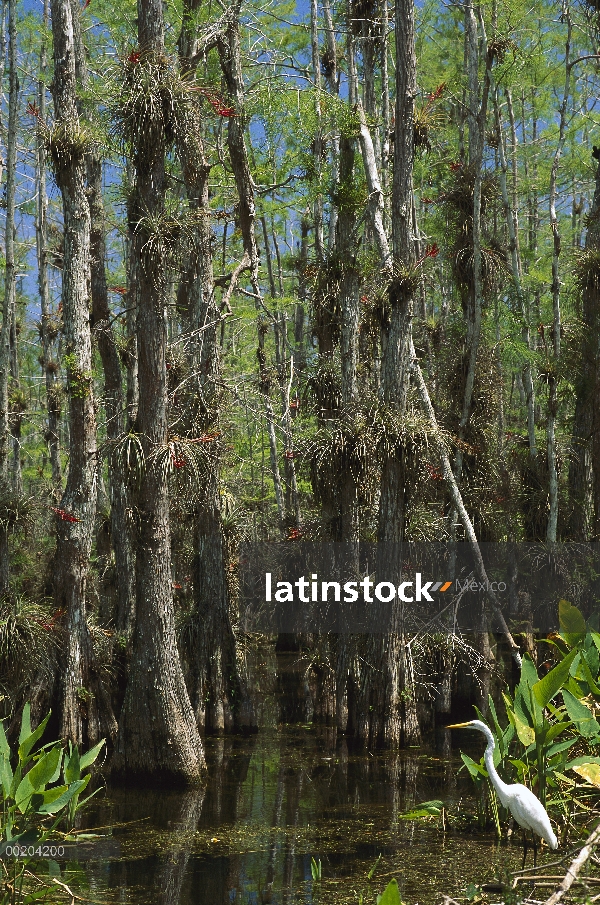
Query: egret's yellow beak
[458, 726]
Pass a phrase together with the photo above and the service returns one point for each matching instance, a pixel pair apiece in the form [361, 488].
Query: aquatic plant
[41, 790]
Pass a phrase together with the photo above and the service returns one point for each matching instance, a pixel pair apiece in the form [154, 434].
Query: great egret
[526, 809]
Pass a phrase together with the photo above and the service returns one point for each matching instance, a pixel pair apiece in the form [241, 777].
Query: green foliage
[41, 789]
[544, 732]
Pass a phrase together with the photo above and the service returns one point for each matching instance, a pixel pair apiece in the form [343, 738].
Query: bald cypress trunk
[85, 709]
[219, 697]
[158, 739]
[584, 481]
[53, 393]
[8, 307]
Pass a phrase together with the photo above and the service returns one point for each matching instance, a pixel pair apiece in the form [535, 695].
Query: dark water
[274, 801]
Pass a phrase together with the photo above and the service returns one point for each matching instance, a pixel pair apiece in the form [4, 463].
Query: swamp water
[276, 800]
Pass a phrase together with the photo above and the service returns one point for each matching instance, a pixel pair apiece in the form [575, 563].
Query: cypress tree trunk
[121, 529]
[8, 307]
[53, 394]
[219, 698]
[584, 482]
[158, 739]
[85, 708]
[395, 691]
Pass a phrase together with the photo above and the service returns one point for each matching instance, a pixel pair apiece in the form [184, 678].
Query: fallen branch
[575, 867]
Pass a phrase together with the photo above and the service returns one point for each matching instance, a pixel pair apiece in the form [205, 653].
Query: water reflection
[271, 803]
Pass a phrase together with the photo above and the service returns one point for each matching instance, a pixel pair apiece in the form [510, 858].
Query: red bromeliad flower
[431, 251]
[454, 166]
[289, 454]
[178, 461]
[437, 93]
[134, 57]
[427, 200]
[217, 103]
[120, 290]
[33, 109]
[294, 534]
[65, 516]
[434, 473]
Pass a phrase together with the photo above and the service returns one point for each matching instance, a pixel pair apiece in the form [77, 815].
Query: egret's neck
[500, 786]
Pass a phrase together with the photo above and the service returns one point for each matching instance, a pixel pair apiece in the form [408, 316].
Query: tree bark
[101, 322]
[552, 525]
[85, 710]
[53, 393]
[219, 696]
[10, 291]
[584, 481]
[158, 739]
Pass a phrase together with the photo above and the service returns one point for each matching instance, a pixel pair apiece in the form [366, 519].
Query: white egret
[527, 810]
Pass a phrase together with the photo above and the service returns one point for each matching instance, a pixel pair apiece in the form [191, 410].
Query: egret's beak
[458, 726]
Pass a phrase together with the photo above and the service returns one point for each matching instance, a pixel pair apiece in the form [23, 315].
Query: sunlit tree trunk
[10, 291]
[219, 697]
[158, 739]
[53, 393]
[86, 713]
[120, 520]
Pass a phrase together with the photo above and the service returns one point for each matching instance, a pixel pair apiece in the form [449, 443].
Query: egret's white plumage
[527, 810]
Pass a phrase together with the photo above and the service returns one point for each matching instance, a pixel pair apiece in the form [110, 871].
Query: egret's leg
[534, 850]
[524, 849]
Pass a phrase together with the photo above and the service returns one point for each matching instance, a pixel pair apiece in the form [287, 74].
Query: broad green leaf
[522, 707]
[390, 895]
[525, 733]
[572, 624]
[561, 746]
[6, 776]
[23, 794]
[472, 766]
[44, 769]
[425, 809]
[47, 796]
[589, 772]
[72, 766]
[577, 761]
[90, 756]
[587, 673]
[554, 732]
[25, 723]
[580, 714]
[53, 807]
[546, 688]
[492, 708]
[508, 703]
[4, 746]
[26, 744]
